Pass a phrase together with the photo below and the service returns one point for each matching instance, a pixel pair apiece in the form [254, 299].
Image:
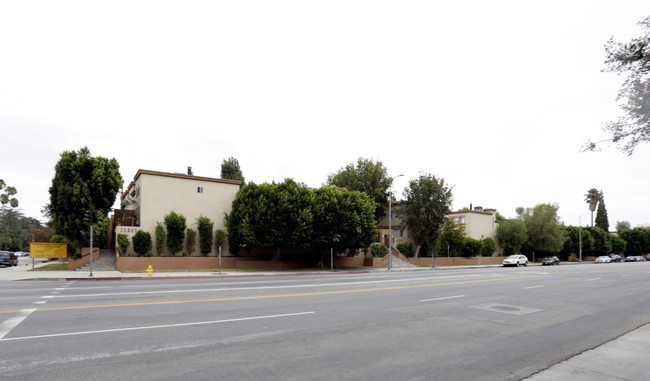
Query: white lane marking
[246, 288]
[529, 287]
[41, 302]
[13, 322]
[157, 326]
[627, 275]
[443, 298]
[589, 280]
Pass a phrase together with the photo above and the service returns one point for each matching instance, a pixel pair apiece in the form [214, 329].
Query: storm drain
[506, 309]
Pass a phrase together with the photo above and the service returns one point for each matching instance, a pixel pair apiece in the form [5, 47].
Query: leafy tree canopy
[512, 235]
[81, 182]
[230, 170]
[287, 215]
[368, 177]
[544, 232]
[425, 208]
[631, 59]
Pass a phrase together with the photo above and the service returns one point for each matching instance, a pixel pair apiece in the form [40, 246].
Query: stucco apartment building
[152, 195]
[479, 224]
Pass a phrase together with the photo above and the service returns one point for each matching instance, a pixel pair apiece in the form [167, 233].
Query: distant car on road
[604, 259]
[551, 261]
[515, 260]
[634, 258]
[615, 257]
[8, 259]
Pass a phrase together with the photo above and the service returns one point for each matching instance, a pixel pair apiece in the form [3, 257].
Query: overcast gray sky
[496, 97]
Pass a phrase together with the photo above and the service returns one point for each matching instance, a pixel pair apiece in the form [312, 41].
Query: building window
[199, 189]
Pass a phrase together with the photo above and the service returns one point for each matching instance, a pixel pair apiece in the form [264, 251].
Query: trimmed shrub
[205, 235]
[160, 238]
[123, 243]
[219, 237]
[406, 248]
[489, 247]
[142, 242]
[191, 241]
[175, 224]
[378, 249]
[471, 247]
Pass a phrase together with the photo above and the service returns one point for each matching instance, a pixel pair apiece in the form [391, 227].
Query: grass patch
[52, 267]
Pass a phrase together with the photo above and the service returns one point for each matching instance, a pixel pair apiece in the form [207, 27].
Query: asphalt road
[469, 324]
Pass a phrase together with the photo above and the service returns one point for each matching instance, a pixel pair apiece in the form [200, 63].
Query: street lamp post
[580, 234]
[390, 220]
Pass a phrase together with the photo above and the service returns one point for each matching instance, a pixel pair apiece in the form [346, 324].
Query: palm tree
[592, 197]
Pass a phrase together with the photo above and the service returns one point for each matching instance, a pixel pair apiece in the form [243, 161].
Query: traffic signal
[89, 216]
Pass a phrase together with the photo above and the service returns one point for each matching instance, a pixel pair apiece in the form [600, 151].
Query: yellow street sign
[48, 250]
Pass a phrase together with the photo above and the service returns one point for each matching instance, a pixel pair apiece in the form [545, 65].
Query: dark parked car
[551, 261]
[8, 258]
[615, 257]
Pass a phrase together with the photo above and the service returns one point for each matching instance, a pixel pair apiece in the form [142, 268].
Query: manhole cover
[506, 308]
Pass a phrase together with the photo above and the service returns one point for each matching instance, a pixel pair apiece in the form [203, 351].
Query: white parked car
[516, 260]
[604, 259]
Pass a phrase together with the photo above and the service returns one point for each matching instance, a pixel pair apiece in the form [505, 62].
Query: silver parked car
[516, 260]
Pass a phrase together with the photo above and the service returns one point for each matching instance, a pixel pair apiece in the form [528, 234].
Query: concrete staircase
[106, 262]
[397, 263]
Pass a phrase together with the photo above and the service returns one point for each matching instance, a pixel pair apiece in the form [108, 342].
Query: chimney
[189, 171]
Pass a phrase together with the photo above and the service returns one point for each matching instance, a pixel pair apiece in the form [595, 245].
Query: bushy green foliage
[488, 247]
[191, 241]
[425, 208]
[57, 238]
[142, 242]
[175, 224]
[406, 248]
[512, 235]
[288, 215]
[368, 177]
[219, 237]
[544, 232]
[378, 249]
[572, 242]
[471, 247]
[81, 182]
[638, 240]
[161, 235]
[123, 243]
[230, 170]
[205, 234]
[602, 242]
[618, 245]
[451, 239]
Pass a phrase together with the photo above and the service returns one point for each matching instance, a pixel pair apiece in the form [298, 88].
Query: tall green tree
[451, 239]
[637, 239]
[206, 237]
[81, 182]
[601, 214]
[544, 232]
[602, 241]
[622, 225]
[230, 170]
[592, 197]
[631, 59]
[512, 235]
[426, 204]
[175, 224]
[366, 176]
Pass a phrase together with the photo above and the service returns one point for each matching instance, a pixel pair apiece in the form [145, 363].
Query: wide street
[460, 324]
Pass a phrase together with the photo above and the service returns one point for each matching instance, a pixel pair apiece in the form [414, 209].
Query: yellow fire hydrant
[149, 270]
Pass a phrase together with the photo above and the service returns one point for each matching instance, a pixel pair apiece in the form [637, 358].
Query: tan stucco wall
[158, 195]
